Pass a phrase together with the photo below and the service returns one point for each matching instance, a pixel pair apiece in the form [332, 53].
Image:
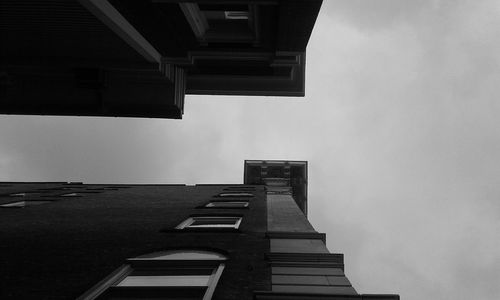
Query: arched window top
[178, 273]
[187, 254]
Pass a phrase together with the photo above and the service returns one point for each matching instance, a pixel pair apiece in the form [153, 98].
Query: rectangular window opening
[70, 195]
[211, 222]
[236, 15]
[228, 204]
[236, 194]
[166, 280]
[17, 194]
[21, 204]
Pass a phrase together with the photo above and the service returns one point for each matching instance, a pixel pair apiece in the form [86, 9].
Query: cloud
[412, 158]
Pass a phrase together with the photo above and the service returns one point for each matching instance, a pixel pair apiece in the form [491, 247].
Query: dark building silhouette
[216, 241]
[138, 58]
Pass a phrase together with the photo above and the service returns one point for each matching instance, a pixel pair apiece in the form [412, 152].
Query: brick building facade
[90, 241]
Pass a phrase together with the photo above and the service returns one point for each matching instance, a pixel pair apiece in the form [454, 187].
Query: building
[131, 58]
[63, 240]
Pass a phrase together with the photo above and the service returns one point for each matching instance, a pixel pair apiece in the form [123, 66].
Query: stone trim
[297, 235]
[268, 295]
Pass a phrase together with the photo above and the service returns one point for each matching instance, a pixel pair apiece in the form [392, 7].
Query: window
[176, 274]
[21, 204]
[211, 222]
[236, 15]
[27, 194]
[69, 195]
[183, 255]
[18, 195]
[24, 194]
[166, 280]
[221, 22]
[227, 204]
[236, 194]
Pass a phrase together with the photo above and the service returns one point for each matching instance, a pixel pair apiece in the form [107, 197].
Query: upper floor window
[227, 204]
[18, 195]
[211, 222]
[21, 204]
[70, 195]
[182, 255]
[221, 23]
[175, 274]
[236, 194]
[25, 194]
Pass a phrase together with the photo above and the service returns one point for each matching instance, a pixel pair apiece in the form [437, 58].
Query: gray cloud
[414, 147]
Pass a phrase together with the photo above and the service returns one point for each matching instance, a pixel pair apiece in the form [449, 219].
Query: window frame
[23, 203]
[220, 204]
[206, 30]
[110, 285]
[21, 194]
[70, 195]
[188, 223]
[235, 195]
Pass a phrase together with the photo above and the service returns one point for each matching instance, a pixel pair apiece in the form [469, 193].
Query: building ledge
[268, 295]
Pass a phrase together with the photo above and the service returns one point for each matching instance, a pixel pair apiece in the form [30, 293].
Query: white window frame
[236, 194]
[17, 204]
[18, 194]
[220, 204]
[23, 203]
[164, 281]
[236, 14]
[70, 195]
[188, 223]
[155, 261]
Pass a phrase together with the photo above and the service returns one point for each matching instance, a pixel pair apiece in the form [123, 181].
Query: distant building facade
[127, 58]
[216, 241]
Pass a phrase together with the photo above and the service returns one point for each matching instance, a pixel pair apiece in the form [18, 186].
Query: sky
[399, 125]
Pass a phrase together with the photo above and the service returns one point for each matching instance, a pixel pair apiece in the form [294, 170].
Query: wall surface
[300, 261]
[60, 249]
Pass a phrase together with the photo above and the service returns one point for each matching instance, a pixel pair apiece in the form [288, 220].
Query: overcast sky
[400, 125]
